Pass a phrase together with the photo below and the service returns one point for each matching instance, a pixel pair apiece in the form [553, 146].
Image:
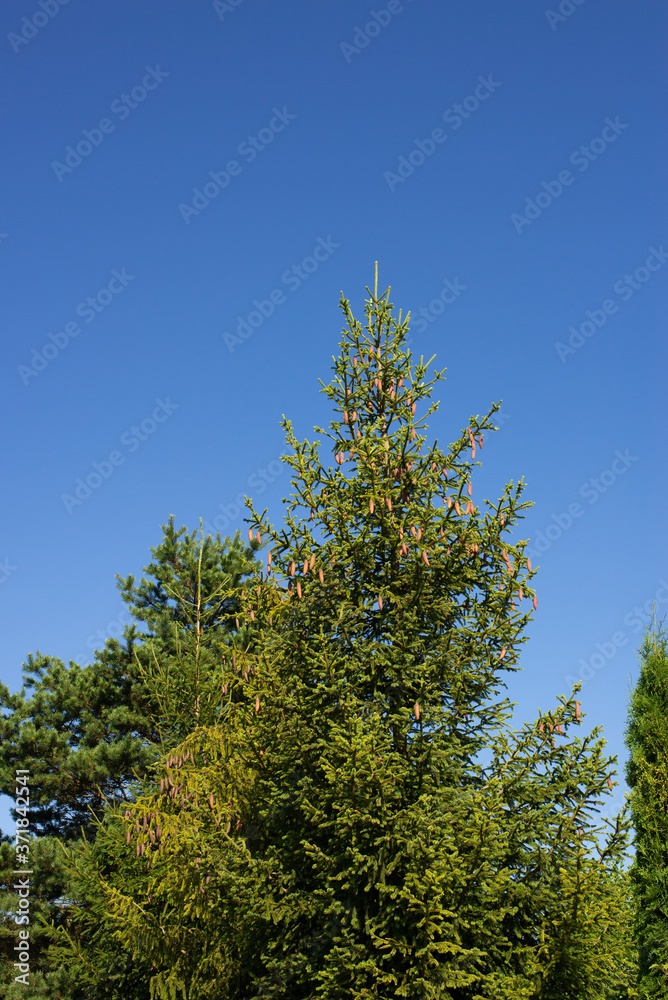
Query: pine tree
[86, 734]
[357, 819]
[647, 776]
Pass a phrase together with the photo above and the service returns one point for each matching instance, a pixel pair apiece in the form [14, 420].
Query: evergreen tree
[647, 776]
[353, 817]
[86, 734]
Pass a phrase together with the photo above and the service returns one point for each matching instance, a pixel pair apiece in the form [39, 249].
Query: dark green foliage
[87, 734]
[647, 775]
[331, 829]
[84, 733]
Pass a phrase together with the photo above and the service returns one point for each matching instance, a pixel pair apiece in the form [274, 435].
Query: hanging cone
[424, 557]
[211, 800]
[292, 569]
[305, 567]
[419, 534]
[521, 594]
[535, 603]
[345, 416]
[529, 565]
[299, 589]
[312, 562]
[268, 560]
[502, 653]
[257, 706]
[469, 489]
[250, 534]
[380, 602]
[457, 507]
[577, 710]
[371, 506]
[480, 441]
[321, 575]
[259, 540]
[416, 709]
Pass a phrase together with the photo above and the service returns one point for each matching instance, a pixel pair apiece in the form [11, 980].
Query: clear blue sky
[511, 152]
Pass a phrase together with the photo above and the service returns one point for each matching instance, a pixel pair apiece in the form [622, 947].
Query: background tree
[647, 776]
[87, 733]
[355, 818]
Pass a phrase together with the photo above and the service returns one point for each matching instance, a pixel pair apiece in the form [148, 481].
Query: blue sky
[172, 172]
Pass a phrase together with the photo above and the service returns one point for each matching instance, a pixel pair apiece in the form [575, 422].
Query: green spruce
[356, 818]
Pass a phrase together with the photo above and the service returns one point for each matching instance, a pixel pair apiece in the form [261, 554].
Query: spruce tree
[357, 819]
[647, 776]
